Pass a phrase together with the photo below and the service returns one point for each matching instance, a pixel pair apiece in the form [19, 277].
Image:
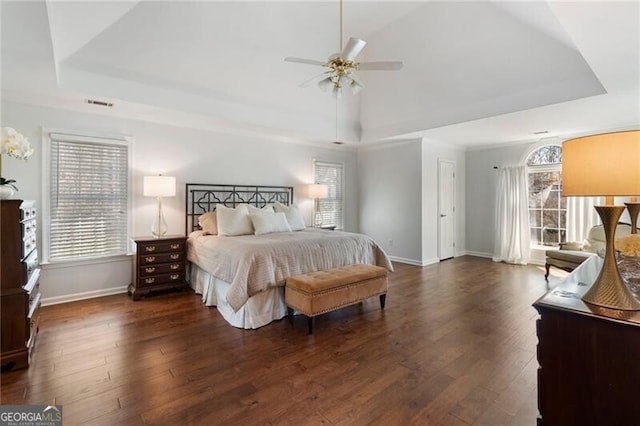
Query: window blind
[88, 197]
[331, 208]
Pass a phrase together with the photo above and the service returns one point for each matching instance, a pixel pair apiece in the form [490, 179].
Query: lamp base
[159, 226]
[609, 289]
[634, 209]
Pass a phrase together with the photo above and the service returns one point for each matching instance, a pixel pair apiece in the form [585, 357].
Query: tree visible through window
[547, 206]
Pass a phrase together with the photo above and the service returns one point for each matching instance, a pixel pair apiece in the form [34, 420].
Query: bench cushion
[323, 291]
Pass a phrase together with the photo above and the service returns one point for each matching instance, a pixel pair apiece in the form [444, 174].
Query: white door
[446, 208]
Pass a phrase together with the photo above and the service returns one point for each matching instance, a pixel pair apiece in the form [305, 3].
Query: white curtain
[512, 244]
[581, 217]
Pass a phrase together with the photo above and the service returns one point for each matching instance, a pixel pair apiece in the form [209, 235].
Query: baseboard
[478, 254]
[413, 261]
[83, 296]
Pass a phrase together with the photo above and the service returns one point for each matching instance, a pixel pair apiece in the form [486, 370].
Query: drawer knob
[150, 248]
[175, 266]
[149, 270]
[149, 259]
[174, 276]
[175, 256]
[175, 246]
[149, 280]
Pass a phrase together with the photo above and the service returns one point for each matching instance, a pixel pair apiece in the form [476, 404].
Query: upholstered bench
[315, 293]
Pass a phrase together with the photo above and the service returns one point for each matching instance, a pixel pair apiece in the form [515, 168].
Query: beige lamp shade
[317, 190]
[159, 186]
[602, 165]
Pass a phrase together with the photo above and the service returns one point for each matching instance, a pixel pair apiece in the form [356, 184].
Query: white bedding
[251, 264]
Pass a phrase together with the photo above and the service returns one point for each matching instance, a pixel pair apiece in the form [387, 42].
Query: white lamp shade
[317, 190]
[602, 165]
[159, 186]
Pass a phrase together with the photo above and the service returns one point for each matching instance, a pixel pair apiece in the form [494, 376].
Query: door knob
[443, 215]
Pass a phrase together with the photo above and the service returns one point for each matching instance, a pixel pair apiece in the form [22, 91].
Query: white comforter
[253, 263]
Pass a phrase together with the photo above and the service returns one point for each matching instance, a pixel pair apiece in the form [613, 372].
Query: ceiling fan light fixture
[325, 84]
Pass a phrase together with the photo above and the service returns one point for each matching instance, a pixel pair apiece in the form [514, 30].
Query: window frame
[94, 137]
[543, 168]
[342, 200]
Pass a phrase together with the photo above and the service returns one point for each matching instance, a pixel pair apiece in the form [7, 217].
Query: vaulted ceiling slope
[474, 72]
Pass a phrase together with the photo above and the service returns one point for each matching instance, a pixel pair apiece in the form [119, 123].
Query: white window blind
[331, 208]
[88, 197]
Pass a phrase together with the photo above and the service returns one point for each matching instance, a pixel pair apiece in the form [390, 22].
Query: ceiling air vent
[99, 103]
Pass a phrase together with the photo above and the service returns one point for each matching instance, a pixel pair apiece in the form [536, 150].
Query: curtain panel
[512, 240]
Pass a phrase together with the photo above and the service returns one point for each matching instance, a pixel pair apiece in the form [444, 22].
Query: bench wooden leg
[383, 298]
[547, 266]
[311, 322]
[290, 314]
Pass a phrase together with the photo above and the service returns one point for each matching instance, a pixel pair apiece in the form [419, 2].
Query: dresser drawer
[30, 264]
[161, 247]
[161, 279]
[160, 258]
[27, 213]
[163, 268]
[28, 244]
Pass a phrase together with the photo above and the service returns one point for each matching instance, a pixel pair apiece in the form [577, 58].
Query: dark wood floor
[455, 345]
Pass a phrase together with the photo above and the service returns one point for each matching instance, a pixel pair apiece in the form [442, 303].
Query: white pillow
[209, 223]
[233, 222]
[267, 223]
[266, 209]
[294, 217]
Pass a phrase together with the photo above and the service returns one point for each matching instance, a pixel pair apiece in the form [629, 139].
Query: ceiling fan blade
[380, 66]
[313, 80]
[353, 48]
[304, 61]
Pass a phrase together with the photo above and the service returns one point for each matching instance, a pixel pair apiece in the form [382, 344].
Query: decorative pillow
[266, 209]
[294, 217]
[209, 223]
[267, 223]
[233, 222]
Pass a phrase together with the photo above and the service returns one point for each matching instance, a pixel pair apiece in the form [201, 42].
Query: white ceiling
[475, 73]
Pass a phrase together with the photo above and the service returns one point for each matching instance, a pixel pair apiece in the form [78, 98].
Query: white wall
[432, 151]
[390, 198]
[190, 155]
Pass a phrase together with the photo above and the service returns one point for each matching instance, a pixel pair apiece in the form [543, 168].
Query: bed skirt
[259, 310]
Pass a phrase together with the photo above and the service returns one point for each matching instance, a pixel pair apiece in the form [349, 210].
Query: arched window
[547, 206]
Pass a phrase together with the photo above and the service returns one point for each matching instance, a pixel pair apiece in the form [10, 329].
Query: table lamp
[317, 191]
[159, 186]
[605, 165]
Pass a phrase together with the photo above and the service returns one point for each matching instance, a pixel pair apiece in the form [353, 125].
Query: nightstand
[159, 264]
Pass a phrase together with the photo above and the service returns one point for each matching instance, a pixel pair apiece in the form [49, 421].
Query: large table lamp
[317, 191]
[159, 186]
[605, 165]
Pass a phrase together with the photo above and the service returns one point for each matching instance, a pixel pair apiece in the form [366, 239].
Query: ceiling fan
[342, 67]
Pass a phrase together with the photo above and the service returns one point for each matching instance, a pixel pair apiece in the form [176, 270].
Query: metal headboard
[201, 198]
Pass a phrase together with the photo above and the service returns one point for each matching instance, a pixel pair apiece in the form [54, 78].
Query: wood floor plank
[455, 345]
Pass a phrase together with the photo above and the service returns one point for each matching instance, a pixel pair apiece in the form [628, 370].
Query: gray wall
[390, 197]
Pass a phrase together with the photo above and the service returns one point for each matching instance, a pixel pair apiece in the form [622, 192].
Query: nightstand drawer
[164, 268]
[161, 279]
[149, 259]
[160, 247]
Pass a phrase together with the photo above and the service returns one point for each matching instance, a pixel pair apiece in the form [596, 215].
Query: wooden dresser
[589, 357]
[19, 282]
[159, 264]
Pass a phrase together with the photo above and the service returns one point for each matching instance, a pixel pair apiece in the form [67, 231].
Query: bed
[244, 276]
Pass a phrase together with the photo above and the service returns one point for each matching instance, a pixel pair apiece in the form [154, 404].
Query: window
[547, 206]
[86, 197]
[331, 208]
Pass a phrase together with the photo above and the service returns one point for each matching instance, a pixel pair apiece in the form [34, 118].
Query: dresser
[159, 265]
[588, 356]
[19, 282]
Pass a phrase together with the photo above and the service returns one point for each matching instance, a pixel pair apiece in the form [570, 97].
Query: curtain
[581, 217]
[512, 243]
